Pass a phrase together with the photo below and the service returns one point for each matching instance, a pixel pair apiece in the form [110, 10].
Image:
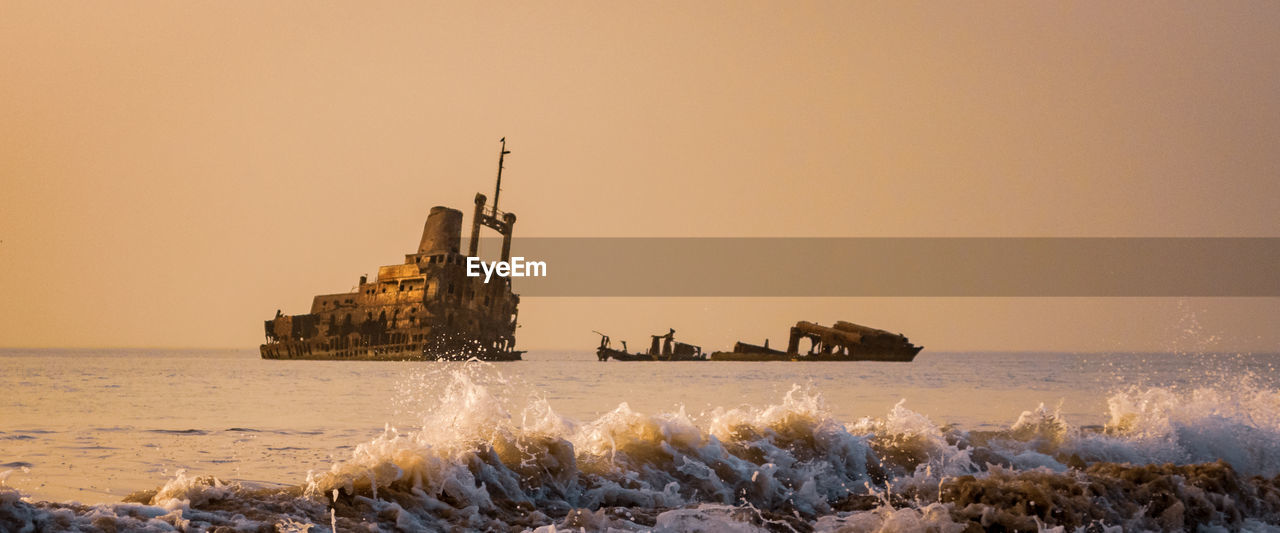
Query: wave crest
[1167, 460]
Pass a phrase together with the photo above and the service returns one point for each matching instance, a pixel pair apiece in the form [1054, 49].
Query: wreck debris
[845, 341]
[661, 348]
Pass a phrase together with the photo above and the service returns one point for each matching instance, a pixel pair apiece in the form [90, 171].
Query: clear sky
[172, 173]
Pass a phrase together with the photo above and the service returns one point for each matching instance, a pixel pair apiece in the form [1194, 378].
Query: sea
[207, 440]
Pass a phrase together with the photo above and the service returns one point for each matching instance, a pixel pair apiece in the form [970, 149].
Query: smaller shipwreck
[661, 348]
[845, 341]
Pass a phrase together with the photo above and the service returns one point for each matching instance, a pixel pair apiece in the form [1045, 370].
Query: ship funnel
[443, 232]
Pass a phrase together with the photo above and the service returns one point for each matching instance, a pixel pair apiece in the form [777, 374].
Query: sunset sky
[172, 173]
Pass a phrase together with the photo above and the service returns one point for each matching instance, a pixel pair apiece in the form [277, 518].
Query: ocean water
[163, 440]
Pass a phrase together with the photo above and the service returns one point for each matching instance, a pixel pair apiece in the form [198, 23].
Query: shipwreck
[661, 348]
[845, 341]
[426, 308]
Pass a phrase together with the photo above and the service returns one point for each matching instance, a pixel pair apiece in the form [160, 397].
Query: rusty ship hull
[411, 352]
[661, 348]
[845, 341]
[900, 356]
[604, 354]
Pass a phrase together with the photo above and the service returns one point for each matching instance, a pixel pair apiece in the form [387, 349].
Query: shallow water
[96, 425]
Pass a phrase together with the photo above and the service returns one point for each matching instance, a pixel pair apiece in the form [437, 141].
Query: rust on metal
[661, 348]
[845, 341]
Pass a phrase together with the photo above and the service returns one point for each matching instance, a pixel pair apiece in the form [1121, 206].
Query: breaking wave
[1167, 460]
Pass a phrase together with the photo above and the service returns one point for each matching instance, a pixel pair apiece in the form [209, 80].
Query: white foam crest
[638, 459]
[810, 458]
[912, 433]
[625, 428]
[538, 418]
[467, 411]
[432, 458]
[903, 421]
[184, 491]
[1041, 424]
[1239, 425]
[789, 454]
[800, 405]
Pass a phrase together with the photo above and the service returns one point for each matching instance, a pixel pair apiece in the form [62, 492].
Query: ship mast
[497, 189]
[491, 217]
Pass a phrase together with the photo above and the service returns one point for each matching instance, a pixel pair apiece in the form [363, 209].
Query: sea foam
[1168, 459]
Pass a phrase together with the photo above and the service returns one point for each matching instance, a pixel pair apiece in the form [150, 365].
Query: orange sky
[174, 172]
